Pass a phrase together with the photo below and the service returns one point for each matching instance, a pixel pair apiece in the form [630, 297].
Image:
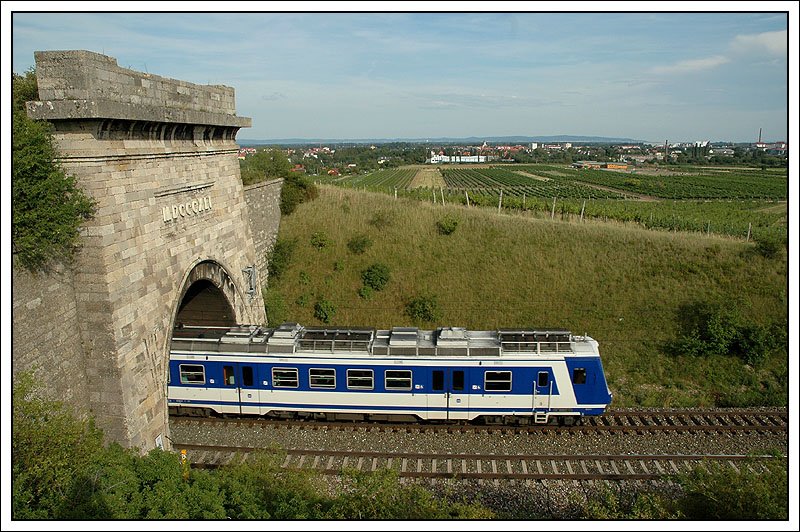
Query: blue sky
[652, 76]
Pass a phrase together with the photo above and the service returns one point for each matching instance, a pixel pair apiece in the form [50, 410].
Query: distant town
[355, 157]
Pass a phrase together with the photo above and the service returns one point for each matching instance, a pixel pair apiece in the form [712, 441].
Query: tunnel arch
[208, 297]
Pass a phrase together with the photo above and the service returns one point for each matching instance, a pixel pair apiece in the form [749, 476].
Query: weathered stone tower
[171, 240]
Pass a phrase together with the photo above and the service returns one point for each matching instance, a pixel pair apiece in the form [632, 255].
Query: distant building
[438, 158]
[598, 165]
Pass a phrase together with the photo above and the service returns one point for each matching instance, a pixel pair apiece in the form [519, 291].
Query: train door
[542, 391]
[450, 394]
[240, 379]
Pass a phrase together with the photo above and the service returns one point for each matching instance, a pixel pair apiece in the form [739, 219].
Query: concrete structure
[171, 241]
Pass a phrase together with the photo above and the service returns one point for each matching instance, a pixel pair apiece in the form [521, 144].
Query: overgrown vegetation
[447, 225]
[423, 309]
[626, 287]
[48, 208]
[279, 257]
[359, 244]
[719, 329]
[62, 470]
[324, 310]
[272, 164]
[377, 276]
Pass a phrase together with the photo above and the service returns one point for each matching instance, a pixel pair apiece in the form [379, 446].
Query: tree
[48, 208]
[263, 165]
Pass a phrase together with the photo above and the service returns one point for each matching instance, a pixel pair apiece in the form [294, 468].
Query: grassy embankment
[621, 285]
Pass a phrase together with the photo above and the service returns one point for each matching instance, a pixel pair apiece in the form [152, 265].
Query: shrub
[720, 493]
[365, 292]
[717, 329]
[280, 256]
[707, 329]
[48, 207]
[381, 220]
[376, 276]
[320, 240]
[447, 225]
[769, 247]
[359, 244]
[324, 310]
[423, 309]
[296, 189]
[275, 307]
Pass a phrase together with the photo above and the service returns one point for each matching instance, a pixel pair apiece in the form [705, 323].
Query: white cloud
[692, 65]
[770, 42]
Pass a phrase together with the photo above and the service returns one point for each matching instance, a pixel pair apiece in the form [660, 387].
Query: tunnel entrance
[208, 298]
[204, 304]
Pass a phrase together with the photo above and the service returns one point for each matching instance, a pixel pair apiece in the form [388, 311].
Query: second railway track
[481, 466]
[628, 422]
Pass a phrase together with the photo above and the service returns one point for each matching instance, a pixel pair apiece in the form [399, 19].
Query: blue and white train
[403, 374]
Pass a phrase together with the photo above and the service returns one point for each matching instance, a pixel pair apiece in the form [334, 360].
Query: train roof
[398, 341]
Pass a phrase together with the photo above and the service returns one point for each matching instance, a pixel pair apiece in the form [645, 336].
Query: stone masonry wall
[46, 336]
[169, 198]
[263, 202]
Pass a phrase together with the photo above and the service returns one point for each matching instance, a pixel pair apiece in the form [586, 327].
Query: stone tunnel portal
[207, 297]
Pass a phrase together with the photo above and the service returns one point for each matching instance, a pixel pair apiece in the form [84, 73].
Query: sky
[652, 76]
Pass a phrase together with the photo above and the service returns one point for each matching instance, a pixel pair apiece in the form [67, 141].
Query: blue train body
[448, 374]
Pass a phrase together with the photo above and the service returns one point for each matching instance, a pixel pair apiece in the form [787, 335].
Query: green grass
[621, 285]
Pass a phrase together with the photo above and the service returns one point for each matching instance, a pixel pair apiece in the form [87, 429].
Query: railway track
[523, 468]
[773, 421]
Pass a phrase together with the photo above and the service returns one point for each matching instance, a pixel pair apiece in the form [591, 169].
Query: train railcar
[402, 374]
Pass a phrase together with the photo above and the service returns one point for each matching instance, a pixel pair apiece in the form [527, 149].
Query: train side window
[543, 378]
[322, 377]
[360, 379]
[192, 374]
[247, 375]
[458, 380]
[284, 377]
[579, 376]
[227, 376]
[438, 380]
[497, 381]
[398, 379]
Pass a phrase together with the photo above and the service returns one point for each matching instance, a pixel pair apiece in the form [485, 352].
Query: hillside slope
[623, 286]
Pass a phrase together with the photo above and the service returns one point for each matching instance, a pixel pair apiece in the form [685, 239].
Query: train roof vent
[286, 333]
[240, 334]
[403, 336]
[452, 337]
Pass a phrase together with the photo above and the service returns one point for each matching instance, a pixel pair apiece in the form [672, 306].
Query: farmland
[745, 202]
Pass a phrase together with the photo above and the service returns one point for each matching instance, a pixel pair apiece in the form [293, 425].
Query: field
[622, 284]
[739, 202]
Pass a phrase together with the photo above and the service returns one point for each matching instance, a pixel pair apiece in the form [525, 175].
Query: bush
[381, 220]
[275, 307]
[423, 309]
[324, 310]
[280, 256]
[769, 247]
[707, 329]
[296, 189]
[718, 329]
[320, 240]
[359, 244]
[447, 225]
[48, 207]
[365, 292]
[720, 493]
[376, 276]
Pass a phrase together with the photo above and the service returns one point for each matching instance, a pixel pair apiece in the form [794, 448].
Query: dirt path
[428, 177]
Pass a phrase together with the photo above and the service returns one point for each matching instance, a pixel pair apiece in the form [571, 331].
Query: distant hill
[445, 140]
